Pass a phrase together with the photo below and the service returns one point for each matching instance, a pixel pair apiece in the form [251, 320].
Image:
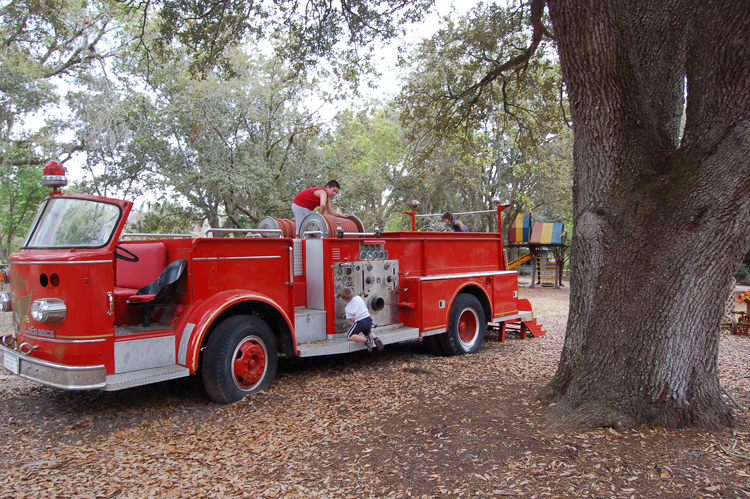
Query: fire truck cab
[94, 308]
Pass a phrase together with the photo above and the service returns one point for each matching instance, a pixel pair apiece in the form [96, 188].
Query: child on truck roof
[456, 225]
[356, 311]
[306, 201]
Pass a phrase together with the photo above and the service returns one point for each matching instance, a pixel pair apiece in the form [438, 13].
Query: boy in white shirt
[356, 311]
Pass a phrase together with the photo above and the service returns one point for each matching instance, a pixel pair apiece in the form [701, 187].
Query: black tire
[240, 359]
[432, 344]
[466, 326]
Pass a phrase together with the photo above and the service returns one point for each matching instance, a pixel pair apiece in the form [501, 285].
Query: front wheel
[466, 326]
[240, 359]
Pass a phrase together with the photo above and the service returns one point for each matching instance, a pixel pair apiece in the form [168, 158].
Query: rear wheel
[240, 359]
[466, 326]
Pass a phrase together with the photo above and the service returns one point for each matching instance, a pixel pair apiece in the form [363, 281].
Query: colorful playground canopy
[519, 231]
[548, 233]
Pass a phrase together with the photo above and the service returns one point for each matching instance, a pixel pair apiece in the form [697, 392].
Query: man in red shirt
[306, 201]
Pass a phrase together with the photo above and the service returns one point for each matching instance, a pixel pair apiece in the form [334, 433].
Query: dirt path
[396, 424]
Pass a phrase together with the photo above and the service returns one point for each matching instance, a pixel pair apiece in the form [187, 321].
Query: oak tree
[662, 215]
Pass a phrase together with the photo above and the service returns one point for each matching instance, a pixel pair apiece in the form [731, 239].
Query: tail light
[48, 310]
[54, 175]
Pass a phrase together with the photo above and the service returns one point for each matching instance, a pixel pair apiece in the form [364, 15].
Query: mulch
[399, 423]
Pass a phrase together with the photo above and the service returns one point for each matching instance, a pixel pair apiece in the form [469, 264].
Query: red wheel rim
[468, 327]
[249, 363]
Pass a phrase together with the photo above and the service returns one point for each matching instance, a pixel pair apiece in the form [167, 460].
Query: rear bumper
[52, 374]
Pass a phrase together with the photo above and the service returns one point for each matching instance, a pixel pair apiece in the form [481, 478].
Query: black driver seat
[160, 292]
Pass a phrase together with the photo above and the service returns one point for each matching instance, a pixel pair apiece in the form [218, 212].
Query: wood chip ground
[395, 424]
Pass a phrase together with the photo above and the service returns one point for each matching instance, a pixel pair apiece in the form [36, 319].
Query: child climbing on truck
[361, 330]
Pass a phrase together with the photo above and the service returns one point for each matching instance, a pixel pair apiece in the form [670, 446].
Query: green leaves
[482, 121]
[21, 191]
[303, 33]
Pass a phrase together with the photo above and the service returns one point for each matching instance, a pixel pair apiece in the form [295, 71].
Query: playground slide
[519, 261]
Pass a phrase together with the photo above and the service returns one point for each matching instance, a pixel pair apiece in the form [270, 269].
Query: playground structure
[546, 249]
[737, 322]
[546, 244]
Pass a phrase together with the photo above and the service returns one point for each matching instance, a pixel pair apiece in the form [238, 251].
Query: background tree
[237, 146]
[504, 137]
[113, 123]
[42, 44]
[163, 218]
[367, 156]
[339, 32]
[21, 190]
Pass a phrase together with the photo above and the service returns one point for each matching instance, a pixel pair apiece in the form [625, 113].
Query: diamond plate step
[340, 344]
[144, 377]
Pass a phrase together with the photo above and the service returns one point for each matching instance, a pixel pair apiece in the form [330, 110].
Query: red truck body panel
[410, 280]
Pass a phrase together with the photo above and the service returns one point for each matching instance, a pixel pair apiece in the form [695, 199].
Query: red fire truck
[94, 308]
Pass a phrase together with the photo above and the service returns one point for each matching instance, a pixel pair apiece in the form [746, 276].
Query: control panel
[376, 281]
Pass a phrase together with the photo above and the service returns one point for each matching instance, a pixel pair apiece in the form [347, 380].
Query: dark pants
[362, 327]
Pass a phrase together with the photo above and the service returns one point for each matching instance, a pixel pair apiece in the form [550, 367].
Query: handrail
[166, 236]
[255, 232]
[368, 234]
[458, 213]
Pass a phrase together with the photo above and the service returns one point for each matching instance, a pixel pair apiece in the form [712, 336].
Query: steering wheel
[123, 257]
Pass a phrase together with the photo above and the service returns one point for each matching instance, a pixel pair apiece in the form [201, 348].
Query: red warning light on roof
[54, 175]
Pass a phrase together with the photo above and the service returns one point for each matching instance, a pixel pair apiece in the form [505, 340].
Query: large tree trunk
[661, 221]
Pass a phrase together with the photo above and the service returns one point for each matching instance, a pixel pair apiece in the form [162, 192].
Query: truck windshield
[73, 223]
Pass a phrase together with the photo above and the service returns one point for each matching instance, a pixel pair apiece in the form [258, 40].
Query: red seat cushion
[124, 293]
[152, 259]
[140, 298]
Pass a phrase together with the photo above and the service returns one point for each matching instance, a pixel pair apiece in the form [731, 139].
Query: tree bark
[661, 220]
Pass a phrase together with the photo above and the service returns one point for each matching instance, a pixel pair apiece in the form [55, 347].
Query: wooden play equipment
[546, 247]
[737, 321]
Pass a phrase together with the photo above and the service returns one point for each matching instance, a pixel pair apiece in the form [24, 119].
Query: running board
[144, 377]
[340, 344]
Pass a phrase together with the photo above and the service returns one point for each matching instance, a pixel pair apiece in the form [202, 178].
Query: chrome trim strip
[182, 352]
[55, 340]
[269, 257]
[291, 265]
[17, 262]
[468, 274]
[434, 332]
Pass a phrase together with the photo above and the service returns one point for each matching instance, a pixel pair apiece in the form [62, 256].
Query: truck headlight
[48, 310]
[5, 304]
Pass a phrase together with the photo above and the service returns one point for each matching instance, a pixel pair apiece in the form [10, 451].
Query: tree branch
[537, 9]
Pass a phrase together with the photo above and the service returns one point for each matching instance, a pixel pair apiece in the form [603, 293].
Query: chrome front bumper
[51, 374]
